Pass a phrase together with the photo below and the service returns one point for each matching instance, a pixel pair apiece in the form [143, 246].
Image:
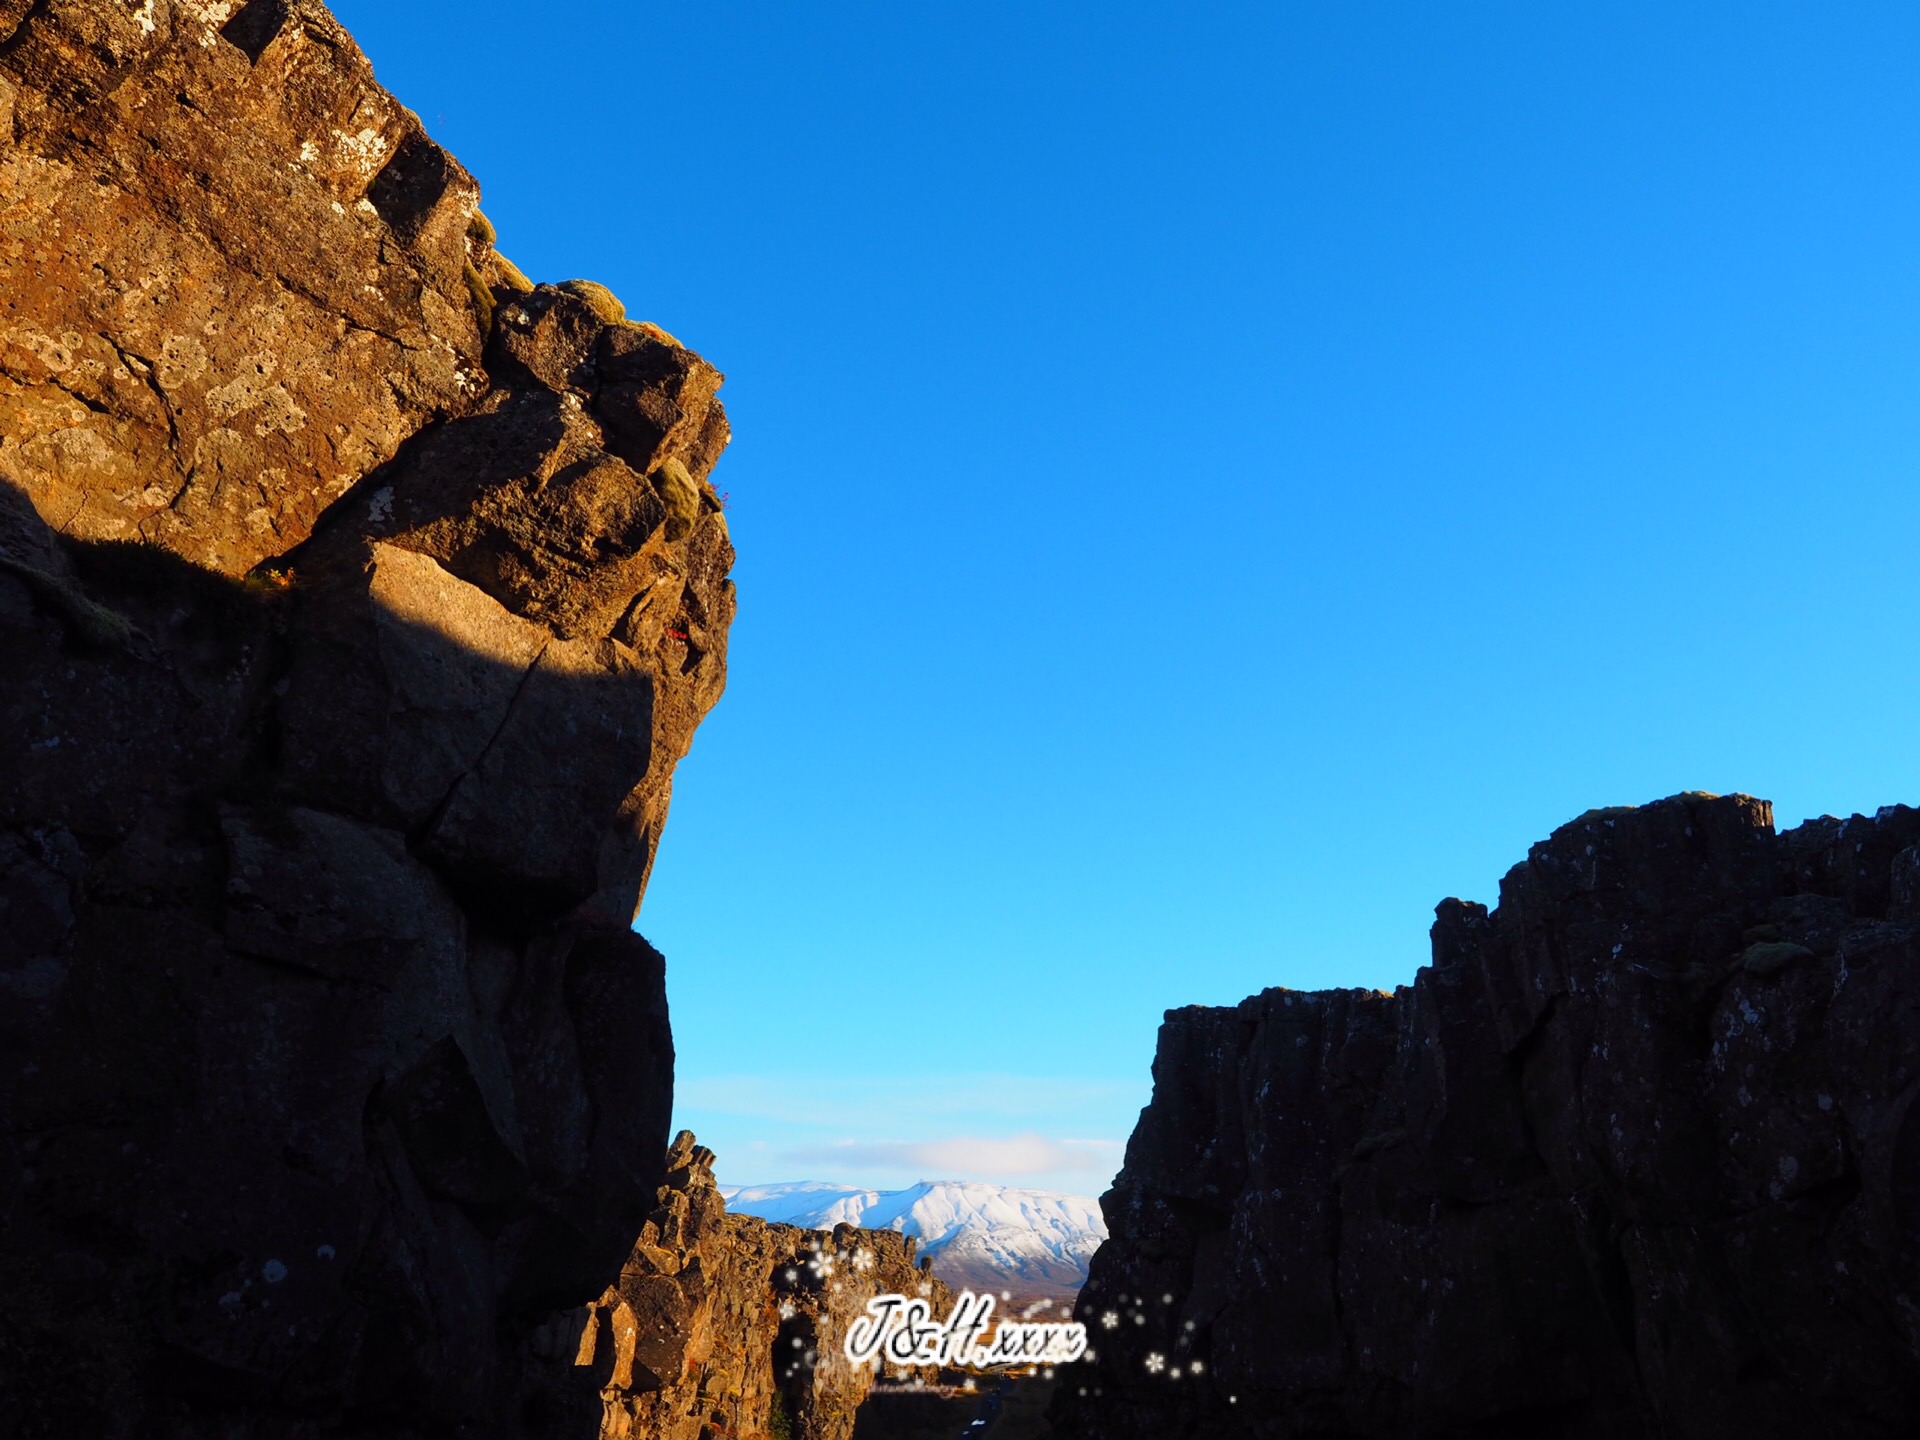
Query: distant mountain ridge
[992, 1237]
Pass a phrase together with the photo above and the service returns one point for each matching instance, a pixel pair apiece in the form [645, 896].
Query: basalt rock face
[1637, 1155]
[357, 599]
[719, 1321]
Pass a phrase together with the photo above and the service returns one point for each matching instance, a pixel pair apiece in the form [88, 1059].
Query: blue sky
[1210, 484]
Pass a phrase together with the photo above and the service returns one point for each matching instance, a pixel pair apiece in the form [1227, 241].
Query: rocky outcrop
[1637, 1155]
[357, 599]
[720, 1323]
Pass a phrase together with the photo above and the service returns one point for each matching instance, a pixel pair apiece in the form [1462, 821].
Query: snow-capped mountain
[1032, 1242]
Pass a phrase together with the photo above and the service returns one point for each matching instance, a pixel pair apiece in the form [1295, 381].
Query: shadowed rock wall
[1637, 1155]
[357, 599]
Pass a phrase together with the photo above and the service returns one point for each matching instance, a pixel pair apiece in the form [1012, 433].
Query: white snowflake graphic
[1156, 1362]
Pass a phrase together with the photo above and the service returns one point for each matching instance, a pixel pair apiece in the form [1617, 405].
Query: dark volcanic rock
[1637, 1155]
[342, 677]
[718, 1321]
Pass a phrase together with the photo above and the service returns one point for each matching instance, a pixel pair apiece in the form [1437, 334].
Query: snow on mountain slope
[1034, 1242]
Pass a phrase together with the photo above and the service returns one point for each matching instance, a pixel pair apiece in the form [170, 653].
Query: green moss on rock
[676, 487]
[481, 229]
[602, 301]
[654, 332]
[1770, 957]
[482, 298]
[511, 274]
[1602, 812]
[1373, 1144]
[85, 619]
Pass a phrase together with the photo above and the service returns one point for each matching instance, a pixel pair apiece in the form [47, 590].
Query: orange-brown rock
[721, 1322]
[234, 270]
[357, 599]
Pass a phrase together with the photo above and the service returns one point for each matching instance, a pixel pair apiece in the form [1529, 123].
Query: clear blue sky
[1210, 483]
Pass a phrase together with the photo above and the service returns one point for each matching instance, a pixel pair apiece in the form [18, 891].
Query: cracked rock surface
[1638, 1154]
[357, 599]
[718, 1321]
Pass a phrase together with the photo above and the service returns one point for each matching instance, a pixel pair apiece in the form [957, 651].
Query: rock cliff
[357, 599]
[1637, 1155]
[719, 1322]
